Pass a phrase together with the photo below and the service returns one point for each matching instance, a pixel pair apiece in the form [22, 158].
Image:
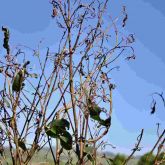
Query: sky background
[30, 21]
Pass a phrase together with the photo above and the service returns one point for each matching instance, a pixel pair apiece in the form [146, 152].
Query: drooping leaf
[106, 122]
[66, 140]
[17, 83]
[51, 132]
[6, 39]
[125, 16]
[94, 111]
[57, 129]
[61, 123]
[22, 145]
[153, 107]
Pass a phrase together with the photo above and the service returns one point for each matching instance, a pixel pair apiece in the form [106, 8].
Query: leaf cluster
[95, 111]
[57, 129]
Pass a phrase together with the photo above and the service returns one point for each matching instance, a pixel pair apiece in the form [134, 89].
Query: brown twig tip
[125, 16]
[136, 148]
[154, 101]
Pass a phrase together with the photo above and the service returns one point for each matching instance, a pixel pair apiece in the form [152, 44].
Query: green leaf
[66, 140]
[95, 111]
[22, 145]
[61, 123]
[17, 83]
[51, 132]
[106, 122]
[57, 127]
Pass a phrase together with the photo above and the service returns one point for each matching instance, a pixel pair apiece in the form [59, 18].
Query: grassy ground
[44, 157]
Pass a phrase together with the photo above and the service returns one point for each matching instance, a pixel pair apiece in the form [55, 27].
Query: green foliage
[66, 140]
[94, 111]
[57, 129]
[61, 124]
[22, 145]
[106, 122]
[118, 159]
[18, 80]
[146, 159]
[161, 157]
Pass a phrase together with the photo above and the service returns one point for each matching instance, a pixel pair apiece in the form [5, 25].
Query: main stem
[57, 146]
[71, 76]
[15, 131]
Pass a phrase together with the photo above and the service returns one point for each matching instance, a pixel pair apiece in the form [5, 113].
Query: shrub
[119, 159]
[146, 159]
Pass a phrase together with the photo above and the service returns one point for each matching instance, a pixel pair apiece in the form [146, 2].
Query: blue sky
[30, 21]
